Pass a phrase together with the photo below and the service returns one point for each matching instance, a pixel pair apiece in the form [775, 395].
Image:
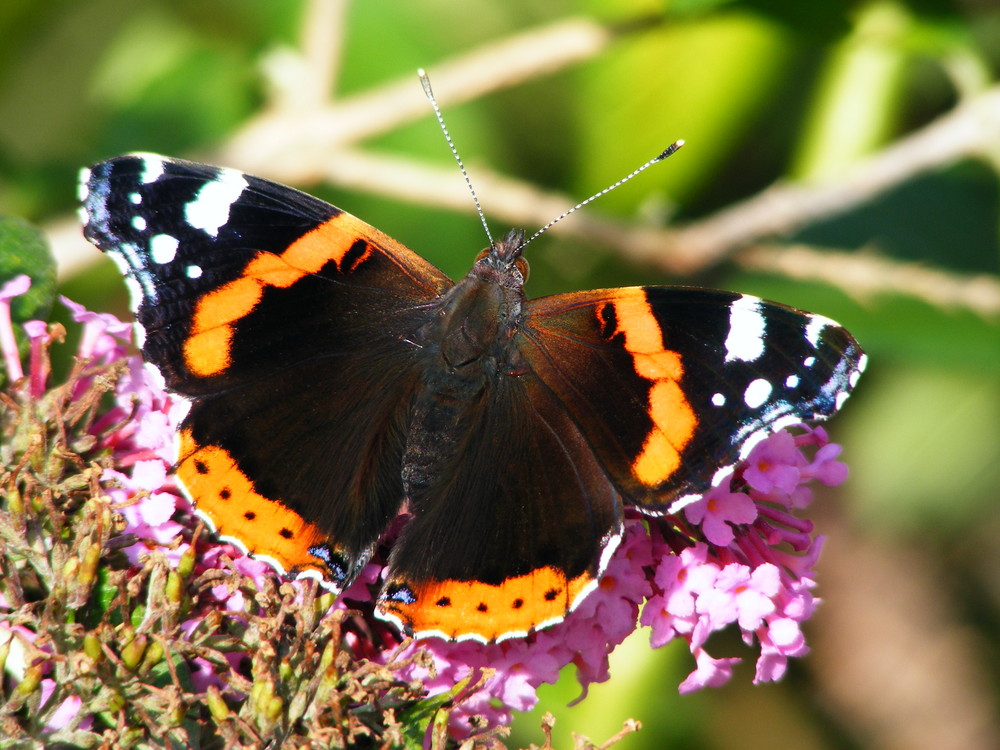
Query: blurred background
[842, 157]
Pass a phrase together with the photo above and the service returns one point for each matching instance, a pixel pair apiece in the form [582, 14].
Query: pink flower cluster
[752, 567]
[755, 567]
[737, 556]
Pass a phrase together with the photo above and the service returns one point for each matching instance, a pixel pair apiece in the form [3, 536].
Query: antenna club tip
[671, 149]
[425, 84]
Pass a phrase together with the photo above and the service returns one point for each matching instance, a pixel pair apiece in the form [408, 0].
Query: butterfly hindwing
[275, 315]
[671, 386]
[517, 534]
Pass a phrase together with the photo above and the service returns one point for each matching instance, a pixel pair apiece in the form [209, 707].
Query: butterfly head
[501, 263]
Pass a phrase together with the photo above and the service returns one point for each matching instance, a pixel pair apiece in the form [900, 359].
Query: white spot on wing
[178, 413]
[520, 633]
[152, 168]
[122, 263]
[163, 248]
[791, 381]
[210, 208]
[82, 188]
[757, 393]
[139, 223]
[133, 267]
[718, 399]
[273, 562]
[815, 327]
[611, 546]
[682, 502]
[135, 198]
[745, 341]
[193, 271]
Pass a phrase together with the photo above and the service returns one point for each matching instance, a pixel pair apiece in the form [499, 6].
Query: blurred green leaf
[24, 250]
[948, 218]
[856, 98]
[924, 447]
[710, 106]
[643, 686]
[417, 718]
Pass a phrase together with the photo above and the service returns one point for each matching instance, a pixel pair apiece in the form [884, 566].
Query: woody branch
[304, 137]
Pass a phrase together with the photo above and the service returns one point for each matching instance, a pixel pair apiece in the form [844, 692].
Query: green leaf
[709, 106]
[857, 99]
[102, 597]
[421, 714]
[24, 250]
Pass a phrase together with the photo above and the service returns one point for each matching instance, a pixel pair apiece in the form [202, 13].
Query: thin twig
[284, 145]
[970, 130]
[307, 147]
[864, 275]
[323, 31]
[519, 204]
[301, 81]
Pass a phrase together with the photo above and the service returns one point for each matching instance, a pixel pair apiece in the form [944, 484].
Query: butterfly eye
[522, 265]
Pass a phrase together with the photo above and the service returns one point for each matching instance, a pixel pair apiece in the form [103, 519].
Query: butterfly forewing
[282, 319]
[672, 385]
[223, 268]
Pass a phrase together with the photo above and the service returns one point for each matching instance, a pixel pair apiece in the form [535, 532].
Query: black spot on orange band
[228, 498]
[485, 611]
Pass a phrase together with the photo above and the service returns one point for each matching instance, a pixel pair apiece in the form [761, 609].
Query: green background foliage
[763, 91]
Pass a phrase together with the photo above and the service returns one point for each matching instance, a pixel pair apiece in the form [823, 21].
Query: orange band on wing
[226, 496]
[674, 421]
[207, 348]
[485, 612]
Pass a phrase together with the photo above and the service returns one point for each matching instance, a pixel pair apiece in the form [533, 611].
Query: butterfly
[335, 378]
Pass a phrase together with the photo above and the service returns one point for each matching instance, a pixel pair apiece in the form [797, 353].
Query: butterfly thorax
[466, 346]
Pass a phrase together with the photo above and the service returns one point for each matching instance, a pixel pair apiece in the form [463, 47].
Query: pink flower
[682, 579]
[825, 468]
[8, 344]
[62, 717]
[741, 595]
[710, 672]
[739, 556]
[773, 464]
[717, 510]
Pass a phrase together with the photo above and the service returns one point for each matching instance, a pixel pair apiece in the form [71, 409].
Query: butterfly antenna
[429, 93]
[672, 148]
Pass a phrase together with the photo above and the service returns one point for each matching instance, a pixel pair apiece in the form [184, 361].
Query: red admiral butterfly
[335, 378]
